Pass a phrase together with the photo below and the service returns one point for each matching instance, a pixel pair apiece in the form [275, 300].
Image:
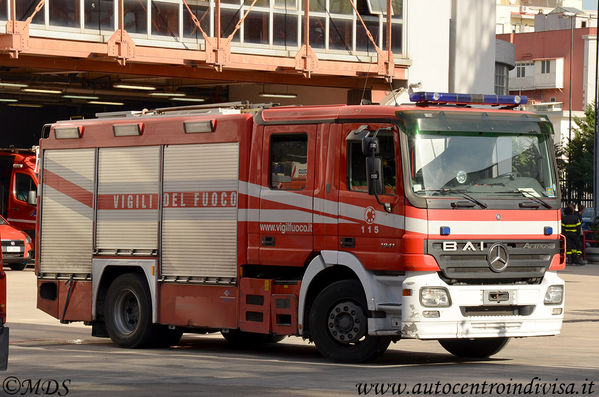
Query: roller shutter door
[128, 183]
[66, 204]
[199, 226]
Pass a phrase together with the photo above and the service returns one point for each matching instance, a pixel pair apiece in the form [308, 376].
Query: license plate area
[12, 248]
[497, 297]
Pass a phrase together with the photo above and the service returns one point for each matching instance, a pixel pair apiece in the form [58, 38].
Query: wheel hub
[127, 312]
[346, 322]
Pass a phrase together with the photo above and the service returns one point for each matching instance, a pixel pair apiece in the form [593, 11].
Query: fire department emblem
[370, 215]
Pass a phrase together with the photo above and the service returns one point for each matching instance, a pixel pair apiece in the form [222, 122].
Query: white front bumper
[452, 323]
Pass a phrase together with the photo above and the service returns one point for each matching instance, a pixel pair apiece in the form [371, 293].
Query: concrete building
[519, 16]
[543, 60]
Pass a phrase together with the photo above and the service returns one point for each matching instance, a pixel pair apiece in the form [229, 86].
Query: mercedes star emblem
[498, 258]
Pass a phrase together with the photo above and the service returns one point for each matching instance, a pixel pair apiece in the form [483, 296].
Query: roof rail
[211, 108]
[13, 149]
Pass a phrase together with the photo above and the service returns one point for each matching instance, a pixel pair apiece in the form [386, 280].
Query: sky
[589, 4]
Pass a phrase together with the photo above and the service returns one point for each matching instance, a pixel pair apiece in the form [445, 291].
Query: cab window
[356, 165]
[23, 185]
[289, 161]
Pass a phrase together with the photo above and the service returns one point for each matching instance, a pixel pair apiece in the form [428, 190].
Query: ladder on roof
[212, 108]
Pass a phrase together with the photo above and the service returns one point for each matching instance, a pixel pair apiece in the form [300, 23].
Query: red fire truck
[352, 226]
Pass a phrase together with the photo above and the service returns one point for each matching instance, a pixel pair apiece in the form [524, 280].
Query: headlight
[28, 239]
[554, 295]
[434, 297]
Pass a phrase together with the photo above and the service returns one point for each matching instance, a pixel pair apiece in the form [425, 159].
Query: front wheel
[128, 315]
[339, 324]
[474, 348]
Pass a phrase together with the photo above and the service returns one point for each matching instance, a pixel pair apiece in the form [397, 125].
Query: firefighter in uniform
[571, 229]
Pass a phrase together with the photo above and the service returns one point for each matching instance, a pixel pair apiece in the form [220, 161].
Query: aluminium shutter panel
[66, 205]
[128, 183]
[200, 239]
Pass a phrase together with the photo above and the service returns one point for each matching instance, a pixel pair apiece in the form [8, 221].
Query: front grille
[464, 261]
[13, 248]
[487, 311]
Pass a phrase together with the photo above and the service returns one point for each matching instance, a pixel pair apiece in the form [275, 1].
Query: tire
[474, 348]
[168, 337]
[592, 254]
[250, 339]
[17, 266]
[339, 324]
[128, 314]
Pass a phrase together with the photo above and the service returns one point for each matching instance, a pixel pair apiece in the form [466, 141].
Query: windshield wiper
[533, 198]
[465, 195]
[475, 201]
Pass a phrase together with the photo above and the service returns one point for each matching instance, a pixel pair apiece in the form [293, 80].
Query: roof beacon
[424, 98]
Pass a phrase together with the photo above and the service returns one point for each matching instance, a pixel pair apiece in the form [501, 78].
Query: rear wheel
[18, 266]
[339, 324]
[250, 339]
[128, 315]
[474, 348]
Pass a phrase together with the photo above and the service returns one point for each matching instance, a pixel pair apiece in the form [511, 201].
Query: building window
[165, 18]
[64, 13]
[524, 68]
[545, 67]
[501, 79]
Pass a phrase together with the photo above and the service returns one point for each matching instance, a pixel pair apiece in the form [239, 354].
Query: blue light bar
[465, 99]
[445, 231]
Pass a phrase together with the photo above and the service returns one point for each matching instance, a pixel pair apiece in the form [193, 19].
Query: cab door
[366, 229]
[286, 195]
[21, 214]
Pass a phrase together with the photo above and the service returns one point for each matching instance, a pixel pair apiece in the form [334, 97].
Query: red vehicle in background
[3, 329]
[18, 188]
[17, 246]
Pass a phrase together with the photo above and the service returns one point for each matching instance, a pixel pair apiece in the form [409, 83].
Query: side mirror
[374, 172]
[32, 197]
[370, 146]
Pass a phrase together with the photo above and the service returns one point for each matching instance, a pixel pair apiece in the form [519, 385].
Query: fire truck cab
[18, 187]
[353, 226]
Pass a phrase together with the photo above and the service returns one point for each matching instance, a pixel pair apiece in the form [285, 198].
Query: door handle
[268, 241]
[348, 242]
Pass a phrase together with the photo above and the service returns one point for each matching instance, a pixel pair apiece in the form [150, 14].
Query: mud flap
[3, 348]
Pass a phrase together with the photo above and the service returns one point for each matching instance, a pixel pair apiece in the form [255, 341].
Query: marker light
[128, 129]
[68, 132]
[548, 230]
[445, 231]
[447, 97]
[192, 127]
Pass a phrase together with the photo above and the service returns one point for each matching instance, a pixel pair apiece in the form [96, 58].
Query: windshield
[482, 164]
